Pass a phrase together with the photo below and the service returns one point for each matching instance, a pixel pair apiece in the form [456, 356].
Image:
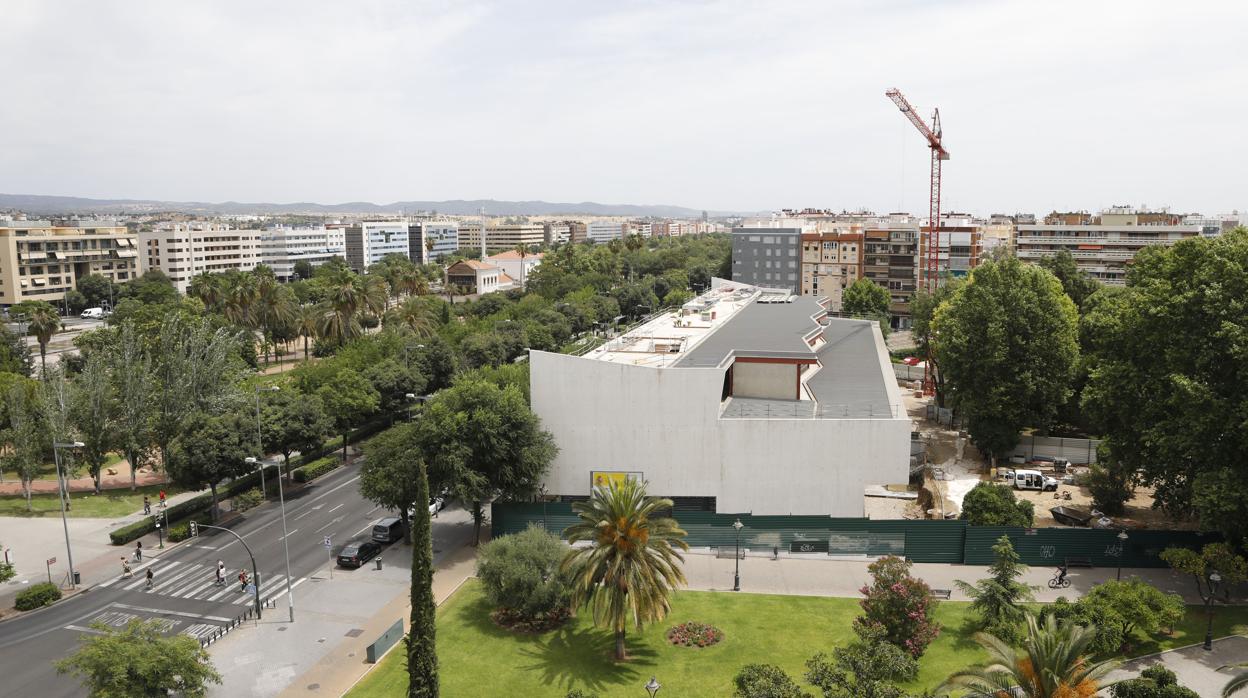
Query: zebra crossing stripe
[140, 579]
[265, 587]
[195, 589]
[161, 585]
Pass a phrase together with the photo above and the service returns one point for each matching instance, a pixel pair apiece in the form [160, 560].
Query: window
[755, 238]
[769, 240]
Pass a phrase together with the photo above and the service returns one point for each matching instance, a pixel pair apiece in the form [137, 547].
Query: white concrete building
[445, 237]
[604, 231]
[282, 247]
[368, 242]
[476, 277]
[513, 266]
[184, 250]
[746, 400]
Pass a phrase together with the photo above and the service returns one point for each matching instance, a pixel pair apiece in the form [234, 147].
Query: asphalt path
[185, 595]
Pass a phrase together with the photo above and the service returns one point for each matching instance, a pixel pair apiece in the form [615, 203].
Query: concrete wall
[774, 381]
[665, 423]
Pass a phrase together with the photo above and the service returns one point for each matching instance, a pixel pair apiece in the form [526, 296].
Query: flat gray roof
[849, 383]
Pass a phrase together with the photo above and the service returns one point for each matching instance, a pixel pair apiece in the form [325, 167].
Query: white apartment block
[501, 236]
[283, 247]
[1104, 248]
[445, 237]
[368, 242]
[42, 260]
[605, 231]
[184, 250]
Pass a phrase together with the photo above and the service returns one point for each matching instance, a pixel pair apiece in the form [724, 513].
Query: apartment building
[578, 231]
[960, 248]
[502, 236]
[282, 247]
[830, 263]
[767, 257]
[1102, 246]
[184, 250]
[444, 236]
[557, 232]
[42, 260]
[890, 259]
[368, 242]
[605, 231]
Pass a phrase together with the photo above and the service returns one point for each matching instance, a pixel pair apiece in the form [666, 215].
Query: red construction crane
[930, 268]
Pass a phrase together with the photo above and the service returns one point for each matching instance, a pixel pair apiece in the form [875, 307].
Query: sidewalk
[335, 620]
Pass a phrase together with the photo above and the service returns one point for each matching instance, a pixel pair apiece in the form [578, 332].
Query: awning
[1089, 247]
[123, 242]
[127, 253]
[39, 282]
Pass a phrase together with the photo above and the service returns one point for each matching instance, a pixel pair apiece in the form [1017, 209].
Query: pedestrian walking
[162, 499]
[220, 573]
[150, 577]
[147, 506]
[242, 580]
[126, 572]
[138, 551]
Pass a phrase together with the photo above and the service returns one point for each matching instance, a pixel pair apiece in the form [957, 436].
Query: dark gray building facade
[768, 257]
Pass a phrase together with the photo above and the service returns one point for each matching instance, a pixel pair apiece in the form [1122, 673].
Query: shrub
[146, 525]
[182, 531]
[766, 681]
[578, 693]
[694, 634]
[520, 573]
[1110, 488]
[897, 608]
[1155, 681]
[315, 469]
[37, 596]
[247, 500]
[988, 504]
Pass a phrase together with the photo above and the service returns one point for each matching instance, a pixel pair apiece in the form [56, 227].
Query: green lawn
[476, 658]
[110, 504]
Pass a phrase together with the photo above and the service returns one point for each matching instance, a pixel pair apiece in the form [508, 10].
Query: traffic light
[194, 529]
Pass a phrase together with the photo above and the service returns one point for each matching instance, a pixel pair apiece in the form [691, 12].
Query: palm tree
[43, 321]
[274, 308]
[307, 323]
[631, 568]
[1235, 685]
[207, 288]
[239, 295]
[523, 252]
[376, 296]
[1052, 663]
[415, 315]
[339, 321]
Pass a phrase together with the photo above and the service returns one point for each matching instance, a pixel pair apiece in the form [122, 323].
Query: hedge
[146, 525]
[315, 469]
[182, 531]
[37, 596]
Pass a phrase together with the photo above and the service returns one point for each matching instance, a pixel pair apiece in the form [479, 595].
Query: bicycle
[1059, 582]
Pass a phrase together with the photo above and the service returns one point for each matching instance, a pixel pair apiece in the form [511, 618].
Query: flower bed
[694, 634]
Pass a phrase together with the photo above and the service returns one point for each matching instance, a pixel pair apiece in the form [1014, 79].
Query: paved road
[185, 595]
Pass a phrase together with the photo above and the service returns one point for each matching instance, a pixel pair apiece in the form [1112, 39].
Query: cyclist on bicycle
[1061, 574]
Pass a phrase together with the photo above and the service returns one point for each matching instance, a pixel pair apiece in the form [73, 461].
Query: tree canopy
[989, 504]
[140, 660]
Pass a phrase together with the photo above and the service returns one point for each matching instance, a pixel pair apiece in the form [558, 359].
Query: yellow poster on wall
[604, 478]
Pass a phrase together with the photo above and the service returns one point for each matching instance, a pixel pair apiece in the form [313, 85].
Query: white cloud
[730, 104]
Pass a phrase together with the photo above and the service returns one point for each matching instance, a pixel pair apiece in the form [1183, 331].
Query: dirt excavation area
[956, 466]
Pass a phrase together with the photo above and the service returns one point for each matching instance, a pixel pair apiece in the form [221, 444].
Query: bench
[942, 594]
[724, 553]
[1079, 562]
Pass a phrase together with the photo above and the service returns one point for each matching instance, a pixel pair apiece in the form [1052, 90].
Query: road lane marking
[81, 629]
[335, 508]
[353, 535]
[172, 613]
[275, 520]
[168, 581]
[289, 534]
[331, 523]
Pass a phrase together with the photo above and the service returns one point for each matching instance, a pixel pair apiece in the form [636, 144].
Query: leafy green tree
[291, 422]
[75, 302]
[999, 598]
[25, 432]
[391, 472]
[1155, 681]
[866, 668]
[1160, 381]
[1007, 347]
[865, 298]
[348, 398]
[303, 269]
[923, 306]
[631, 567]
[1110, 485]
[897, 607]
[154, 287]
[97, 290]
[483, 442]
[1075, 283]
[393, 383]
[140, 660]
[1052, 662]
[93, 413]
[1130, 606]
[520, 573]
[990, 504]
[1213, 558]
[14, 353]
[134, 389]
[209, 451]
[766, 681]
[422, 657]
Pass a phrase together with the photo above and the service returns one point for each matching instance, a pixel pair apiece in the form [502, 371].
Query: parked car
[388, 530]
[356, 553]
[1033, 480]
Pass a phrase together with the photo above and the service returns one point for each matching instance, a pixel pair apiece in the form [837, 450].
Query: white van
[93, 314]
[1033, 480]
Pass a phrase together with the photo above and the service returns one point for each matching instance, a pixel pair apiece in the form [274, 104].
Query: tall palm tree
[207, 288]
[308, 323]
[43, 321]
[376, 295]
[339, 319]
[274, 308]
[1235, 685]
[239, 296]
[415, 315]
[1052, 663]
[632, 566]
[523, 251]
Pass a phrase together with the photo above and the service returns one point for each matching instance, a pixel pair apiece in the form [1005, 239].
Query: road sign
[51, 561]
[328, 544]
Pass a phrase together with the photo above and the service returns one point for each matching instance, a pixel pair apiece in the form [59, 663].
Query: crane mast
[930, 265]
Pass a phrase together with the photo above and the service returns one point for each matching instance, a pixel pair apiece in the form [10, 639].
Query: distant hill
[37, 204]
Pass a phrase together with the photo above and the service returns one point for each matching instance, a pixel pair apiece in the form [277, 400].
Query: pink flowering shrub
[694, 634]
[897, 607]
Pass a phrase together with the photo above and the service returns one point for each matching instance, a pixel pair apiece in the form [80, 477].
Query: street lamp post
[255, 571]
[736, 558]
[56, 456]
[413, 398]
[264, 493]
[653, 686]
[542, 492]
[281, 496]
[1214, 580]
[1122, 546]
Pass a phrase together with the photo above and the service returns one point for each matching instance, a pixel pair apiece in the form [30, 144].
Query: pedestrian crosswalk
[198, 581]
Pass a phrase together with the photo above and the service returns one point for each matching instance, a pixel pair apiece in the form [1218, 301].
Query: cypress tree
[422, 658]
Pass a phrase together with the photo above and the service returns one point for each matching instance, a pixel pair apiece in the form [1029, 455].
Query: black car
[357, 553]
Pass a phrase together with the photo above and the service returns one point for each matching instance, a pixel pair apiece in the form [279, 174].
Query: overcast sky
[732, 105]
